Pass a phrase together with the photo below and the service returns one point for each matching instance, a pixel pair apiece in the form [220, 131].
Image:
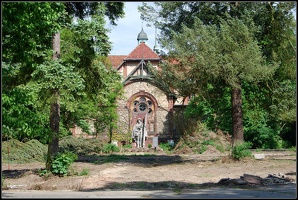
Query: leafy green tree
[30, 45]
[207, 54]
[27, 29]
[276, 37]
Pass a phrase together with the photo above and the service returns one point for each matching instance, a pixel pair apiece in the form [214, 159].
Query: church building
[144, 97]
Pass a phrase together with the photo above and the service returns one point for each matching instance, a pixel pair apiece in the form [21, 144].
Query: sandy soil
[145, 172]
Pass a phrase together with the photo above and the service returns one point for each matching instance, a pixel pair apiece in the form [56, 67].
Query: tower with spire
[142, 37]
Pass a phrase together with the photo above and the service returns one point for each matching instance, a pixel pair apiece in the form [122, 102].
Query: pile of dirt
[205, 143]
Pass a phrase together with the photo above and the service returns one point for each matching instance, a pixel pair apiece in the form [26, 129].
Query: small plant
[202, 149]
[45, 173]
[166, 146]
[61, 163]
[109, 148]
[127, 146]
[149, 146]
[241, 150]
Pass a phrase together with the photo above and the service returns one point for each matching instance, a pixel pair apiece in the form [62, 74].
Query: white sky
[124, 35]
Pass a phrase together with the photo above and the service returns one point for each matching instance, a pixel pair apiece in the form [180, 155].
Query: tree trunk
[54, 111]
[237, 118]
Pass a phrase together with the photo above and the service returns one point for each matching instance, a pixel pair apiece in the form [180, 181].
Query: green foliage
[109, 148]
[128, 146]
[167, 147]
[213, 110]
[203, 148]
[27, 30]
[22, 116]
[240, 151]
[27, 38]
[14, 151]
[149, 146]
[51, 76]
[45, 173]
[274, 28]
[80, 145]
[284, 101]
[3, 183]
[62, 162]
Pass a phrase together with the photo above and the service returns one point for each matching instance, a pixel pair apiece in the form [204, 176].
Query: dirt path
[146, 172]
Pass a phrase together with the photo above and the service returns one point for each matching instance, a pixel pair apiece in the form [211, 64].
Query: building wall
[161, 111]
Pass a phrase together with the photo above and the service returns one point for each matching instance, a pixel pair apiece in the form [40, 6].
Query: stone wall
[161, 109]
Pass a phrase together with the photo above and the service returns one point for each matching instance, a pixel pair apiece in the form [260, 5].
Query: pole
[144, 129]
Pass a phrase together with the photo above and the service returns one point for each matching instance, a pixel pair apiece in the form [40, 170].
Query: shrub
[127, 146]
[45, 173]
[241, 150]
[166, 146]
[108, 148]
[61, 163]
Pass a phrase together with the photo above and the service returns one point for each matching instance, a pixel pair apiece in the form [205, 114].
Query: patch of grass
[148, 154]
[177, 190]
[220, 148]
[3, 184]
[202, 149]
[84, 172]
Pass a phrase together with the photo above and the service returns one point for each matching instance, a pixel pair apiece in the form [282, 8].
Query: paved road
[288, 191]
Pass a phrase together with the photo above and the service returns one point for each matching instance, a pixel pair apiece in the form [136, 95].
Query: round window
[142, 106]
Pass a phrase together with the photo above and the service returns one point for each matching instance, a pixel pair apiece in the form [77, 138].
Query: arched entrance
[143, 105]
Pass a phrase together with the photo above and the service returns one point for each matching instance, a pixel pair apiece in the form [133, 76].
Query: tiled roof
[116, 60]
[142, 51]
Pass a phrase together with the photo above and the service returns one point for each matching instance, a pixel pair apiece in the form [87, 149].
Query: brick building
[144, 96]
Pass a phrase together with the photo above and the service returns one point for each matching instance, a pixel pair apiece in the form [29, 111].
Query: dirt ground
[137, 170]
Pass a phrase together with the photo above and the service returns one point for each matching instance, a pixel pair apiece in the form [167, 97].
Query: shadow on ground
[142, 160]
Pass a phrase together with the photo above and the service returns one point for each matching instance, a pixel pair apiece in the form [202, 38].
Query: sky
[124, 35]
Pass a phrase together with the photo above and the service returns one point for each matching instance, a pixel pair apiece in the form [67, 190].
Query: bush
[109, 148]
[61, 163]
[241, 150]
[166, 146]
[127, 146]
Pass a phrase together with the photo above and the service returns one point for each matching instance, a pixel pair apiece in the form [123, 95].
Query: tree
[94, 9]
[276, 37]
[206, 54]
[27, 31]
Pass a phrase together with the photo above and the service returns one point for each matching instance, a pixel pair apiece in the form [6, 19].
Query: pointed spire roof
[142, 51]
[142, 36]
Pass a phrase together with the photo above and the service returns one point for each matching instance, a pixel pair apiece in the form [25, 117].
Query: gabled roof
[116, 60]
[142, 51]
